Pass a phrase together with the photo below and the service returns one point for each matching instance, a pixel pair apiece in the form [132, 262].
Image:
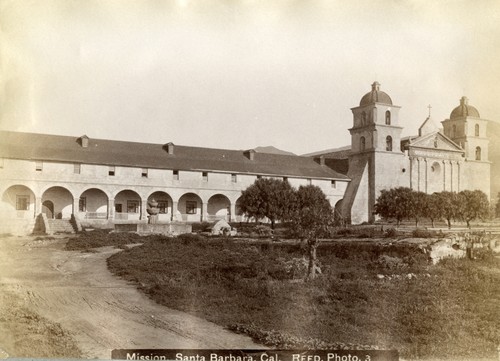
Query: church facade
[101, 182]
[453, 158]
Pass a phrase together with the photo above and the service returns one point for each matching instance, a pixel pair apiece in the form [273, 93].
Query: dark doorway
[48, 209]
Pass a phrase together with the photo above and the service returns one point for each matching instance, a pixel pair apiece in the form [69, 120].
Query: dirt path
[99, 311]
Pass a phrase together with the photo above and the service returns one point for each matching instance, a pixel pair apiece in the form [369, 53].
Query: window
[388, 117]
[82, 204]
[111, 170]
[191, 207]
[39, 166]
[144, 173]
[362, 143]
[285, 179]
[22, 203]
[334, 184]
[118, 208]
[77, 168]
[234, 178]
[163, 207]
[478, 153]
[388, 143]
[205, 176]
[176, 174]
[309, 181]
[132, 206]
[259, 177]
[476, 130]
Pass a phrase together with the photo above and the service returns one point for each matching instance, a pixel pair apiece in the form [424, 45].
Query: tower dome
[375, 96]
[464, 110]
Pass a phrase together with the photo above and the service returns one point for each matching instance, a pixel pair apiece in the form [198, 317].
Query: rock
[223, 228]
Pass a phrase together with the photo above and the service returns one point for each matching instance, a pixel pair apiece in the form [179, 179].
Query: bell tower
[375, 153]
[466, 128]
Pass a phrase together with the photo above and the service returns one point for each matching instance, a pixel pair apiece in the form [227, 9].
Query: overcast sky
[240, 73]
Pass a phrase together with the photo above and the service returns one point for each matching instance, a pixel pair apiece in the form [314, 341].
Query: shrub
[391, 232]
[201, 226]
[344, 231]
[264, 231]
[191, 238]
[422, 233]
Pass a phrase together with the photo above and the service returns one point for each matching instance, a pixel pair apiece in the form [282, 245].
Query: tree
[395, 203]
[312, 216]
[267, 197]
[472, 205]
[433, 208]
[418, 205]
[449, 203]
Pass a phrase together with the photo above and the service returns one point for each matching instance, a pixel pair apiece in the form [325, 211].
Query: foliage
[87, 240]
[395, 203]
[271, 198]
[400, 203]
[433, 208]
[422, 233]
[311, 219]
[443, 311]
[472, 205]
[449, 203]
[418, 205]
[391, 232]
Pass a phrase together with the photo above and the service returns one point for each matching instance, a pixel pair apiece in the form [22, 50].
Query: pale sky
[239, 74]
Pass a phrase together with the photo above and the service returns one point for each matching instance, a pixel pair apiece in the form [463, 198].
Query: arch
[388, 117]
[62, 203]
[93, 204]
[218, 207]
[388, 143]
[478, 153]
[362, 143]
[48, 209]
[476, 130]
[189, 208]
[128, 205]
[165, 205]
[18, 201]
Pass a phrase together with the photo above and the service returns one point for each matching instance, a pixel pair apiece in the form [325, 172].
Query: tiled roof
[146, 155]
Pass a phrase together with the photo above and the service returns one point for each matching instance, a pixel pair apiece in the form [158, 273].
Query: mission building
[101, 182]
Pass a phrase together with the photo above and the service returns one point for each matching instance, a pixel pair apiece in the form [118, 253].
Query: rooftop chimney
[250, 154]
[84, 141]
[169, 147]
[320, 160]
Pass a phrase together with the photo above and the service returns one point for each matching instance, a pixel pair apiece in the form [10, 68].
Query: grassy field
[449, 310]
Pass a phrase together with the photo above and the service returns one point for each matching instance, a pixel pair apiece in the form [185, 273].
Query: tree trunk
[432, 222]
[449, 223]
[272, 223]
[311, 270]
[468, 223]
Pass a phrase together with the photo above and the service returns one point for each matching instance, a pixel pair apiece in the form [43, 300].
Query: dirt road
[75, 295]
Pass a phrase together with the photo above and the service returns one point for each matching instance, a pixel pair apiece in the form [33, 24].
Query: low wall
[169, 229]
